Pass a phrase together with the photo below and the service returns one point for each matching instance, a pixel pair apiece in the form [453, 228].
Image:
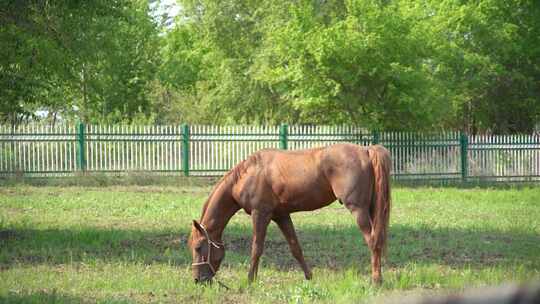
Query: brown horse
[271, 184]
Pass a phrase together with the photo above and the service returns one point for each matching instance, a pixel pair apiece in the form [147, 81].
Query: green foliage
[364, 68]
[388, 65]
[394, 65]
[488, 54]
[89, 59]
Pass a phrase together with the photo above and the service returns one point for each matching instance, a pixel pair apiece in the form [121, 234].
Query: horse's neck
[221, 207]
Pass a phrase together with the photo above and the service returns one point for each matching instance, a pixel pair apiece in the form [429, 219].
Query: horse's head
[207, 253]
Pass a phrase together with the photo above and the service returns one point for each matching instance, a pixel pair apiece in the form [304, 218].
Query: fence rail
[37, 150]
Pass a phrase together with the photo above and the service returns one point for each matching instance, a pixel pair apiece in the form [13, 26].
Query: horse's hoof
[377, 281]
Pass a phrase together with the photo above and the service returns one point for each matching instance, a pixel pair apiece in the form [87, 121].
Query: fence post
[283, 136]
[464, 143]
[375, 137]
[185, 149]
[81, 138]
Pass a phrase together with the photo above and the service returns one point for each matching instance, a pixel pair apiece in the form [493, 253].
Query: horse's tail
[380, 209]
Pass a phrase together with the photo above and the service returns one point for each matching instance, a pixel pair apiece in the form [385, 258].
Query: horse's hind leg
[355, 191]
[286, 226]
[363, 221]
[260, 224]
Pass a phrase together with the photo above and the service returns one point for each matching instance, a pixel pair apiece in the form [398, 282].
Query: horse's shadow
[325, 247]
[344, 248]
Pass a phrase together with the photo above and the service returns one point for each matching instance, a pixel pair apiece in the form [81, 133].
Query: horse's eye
[198, 248]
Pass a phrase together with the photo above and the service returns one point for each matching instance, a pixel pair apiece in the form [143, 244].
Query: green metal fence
[38, 150]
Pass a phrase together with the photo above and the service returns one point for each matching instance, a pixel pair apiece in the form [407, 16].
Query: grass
[125, 244]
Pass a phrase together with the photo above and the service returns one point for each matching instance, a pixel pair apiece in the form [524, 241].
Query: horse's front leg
[260, 224]
[287, 228]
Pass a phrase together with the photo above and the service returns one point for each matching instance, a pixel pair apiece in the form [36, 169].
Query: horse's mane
[232, 176]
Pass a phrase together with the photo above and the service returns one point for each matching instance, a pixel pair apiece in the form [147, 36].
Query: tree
[91, 60]
[488, 53]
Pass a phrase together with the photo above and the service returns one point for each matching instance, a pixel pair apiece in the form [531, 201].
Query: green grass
[124, 244]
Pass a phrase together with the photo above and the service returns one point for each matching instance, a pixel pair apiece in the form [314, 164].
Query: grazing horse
[271, 184]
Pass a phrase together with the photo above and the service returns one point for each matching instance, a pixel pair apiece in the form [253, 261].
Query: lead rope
[223, 285]
[207, 262]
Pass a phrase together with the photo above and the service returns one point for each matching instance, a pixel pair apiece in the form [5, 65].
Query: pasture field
[127, 244]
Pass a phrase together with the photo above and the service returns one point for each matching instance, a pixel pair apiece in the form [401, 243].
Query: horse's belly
[303, 205]
[292, 200]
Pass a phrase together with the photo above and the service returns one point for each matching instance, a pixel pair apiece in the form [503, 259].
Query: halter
[210, 244]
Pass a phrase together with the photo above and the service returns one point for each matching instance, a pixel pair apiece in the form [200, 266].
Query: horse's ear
[198, 226]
